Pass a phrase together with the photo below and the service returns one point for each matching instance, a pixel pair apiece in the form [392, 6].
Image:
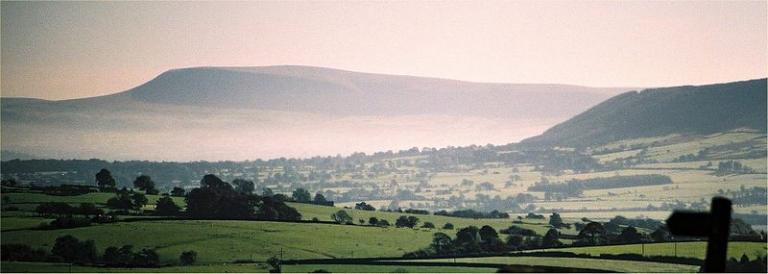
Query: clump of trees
[407, 221]
[470, 213]
[125, 257]
[166, 207]
[127, 200]
[178, 192]
[341, 217]
[730, 167]
[216, 199]
[188, 257]
[70, 249]
[575, 187]
[61, 209]
[364, 206]
[145, 183]
[468, 240]
[105, 181]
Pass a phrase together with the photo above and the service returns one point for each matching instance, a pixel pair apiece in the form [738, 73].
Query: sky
[63, 50]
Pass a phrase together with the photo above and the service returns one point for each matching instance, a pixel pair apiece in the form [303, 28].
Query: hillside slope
[656, 112]
[236, 113]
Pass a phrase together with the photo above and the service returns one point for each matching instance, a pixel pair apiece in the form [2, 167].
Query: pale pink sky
[67, 50]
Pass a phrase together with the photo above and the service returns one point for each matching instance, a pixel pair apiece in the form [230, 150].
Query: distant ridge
[661, 111]
[231, 113]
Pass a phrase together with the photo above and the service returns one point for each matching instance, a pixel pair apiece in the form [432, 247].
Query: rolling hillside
[285, 111]
[657, 112]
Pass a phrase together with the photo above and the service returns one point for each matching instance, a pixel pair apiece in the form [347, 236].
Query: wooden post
[717, 246]
[713, 225]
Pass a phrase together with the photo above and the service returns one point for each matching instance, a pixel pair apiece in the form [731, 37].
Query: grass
[686, 249]
[27, 267]
[93, 197]
[356, 268]
[323, 213]
[227, 241]
[610, 265]
[8, 223]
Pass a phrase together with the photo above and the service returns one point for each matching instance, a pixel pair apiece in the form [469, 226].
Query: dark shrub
[21, 252]
[188, 257]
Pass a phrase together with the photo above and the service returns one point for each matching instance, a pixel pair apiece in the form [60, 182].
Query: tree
[373, 221]
[178, 192]
[382, 223]
[630, 235]
[551, 238]
[661, 234]
[244, 186]
[274, 262]
[428, 225]
[266, 192]
[272, 208]
[146, 258]
[212, 182]
[121, 201]
[448, 226]
[89, 209]
[468, 238]
[301, 195]
[166, 207]
[515, 241]
[364, 206]
[71, 249]
[105, 181]
[216, 199]
[441, 243]
[593, 233]
[487, 233]
[138, 200]
[555, 220]
[341, 217]
[145, 184]
[407, 221]
[319, 199]
[188, 257]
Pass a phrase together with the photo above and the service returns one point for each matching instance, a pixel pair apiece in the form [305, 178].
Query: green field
[610, 265]
[323, 213]
[362, 268]
[22, 267]
[227, 241]
[684, 249]
[94, 197]
[14, 223]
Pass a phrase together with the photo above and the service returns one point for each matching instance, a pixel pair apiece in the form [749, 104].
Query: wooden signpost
[713, 225]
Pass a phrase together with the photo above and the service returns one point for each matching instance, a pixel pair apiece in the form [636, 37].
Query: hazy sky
[67, 50]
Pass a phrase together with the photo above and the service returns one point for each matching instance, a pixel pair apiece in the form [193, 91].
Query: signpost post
[713, 225]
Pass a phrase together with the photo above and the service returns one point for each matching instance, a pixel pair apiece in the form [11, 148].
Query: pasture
[609, 265]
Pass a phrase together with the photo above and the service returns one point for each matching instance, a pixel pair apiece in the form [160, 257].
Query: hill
[236, 113]
[682, 110]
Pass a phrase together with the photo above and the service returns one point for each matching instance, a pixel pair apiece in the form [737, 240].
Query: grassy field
[27, 267]
[14, 223]
[357, 268]
[685, 249]
[22, 267]
[324, 214]
[227, 241]
[610, 265]
[94, 197]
